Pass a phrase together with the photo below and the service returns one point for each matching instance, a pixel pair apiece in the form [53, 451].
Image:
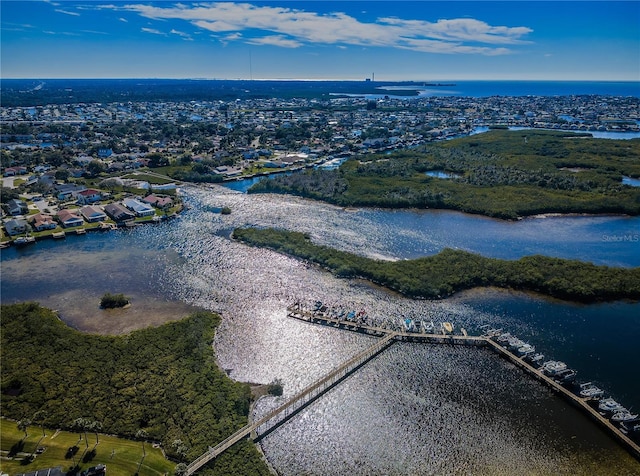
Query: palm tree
[40, 416]
[81, 425]
[23, 425]
[143, 435]
[96, 426]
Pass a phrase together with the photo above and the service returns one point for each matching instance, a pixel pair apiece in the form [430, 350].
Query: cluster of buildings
[245, 137]
[39, 214]
[240, 132]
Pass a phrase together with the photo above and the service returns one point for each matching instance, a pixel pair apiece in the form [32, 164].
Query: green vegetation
[504, 174]
[162, 380]
[121, 456]
[112, 301]
[451, 271]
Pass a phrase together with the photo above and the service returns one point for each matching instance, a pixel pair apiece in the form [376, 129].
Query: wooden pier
[387, 337]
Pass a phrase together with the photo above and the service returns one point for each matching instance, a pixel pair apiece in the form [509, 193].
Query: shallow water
[415, 409]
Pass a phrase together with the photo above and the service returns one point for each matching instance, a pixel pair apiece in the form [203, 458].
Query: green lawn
[121, 456]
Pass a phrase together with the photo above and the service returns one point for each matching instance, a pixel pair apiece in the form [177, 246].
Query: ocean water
[536, 88]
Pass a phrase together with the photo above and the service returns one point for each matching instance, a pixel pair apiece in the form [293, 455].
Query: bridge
[387, 337]
[303, 398]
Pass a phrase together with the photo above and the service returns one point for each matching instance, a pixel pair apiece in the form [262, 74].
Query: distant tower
[373, 76]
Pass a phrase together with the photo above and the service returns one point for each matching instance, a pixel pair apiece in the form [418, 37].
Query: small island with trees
[451, 271]
[113, 301]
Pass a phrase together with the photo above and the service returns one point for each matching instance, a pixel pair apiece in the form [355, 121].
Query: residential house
[89, 196]
[13, 171]
[158, 202]
[105, 153]
[139, 208]
[70, 218]
[65, 191]
[17, 207]
[118, 213]
[92, 214]
[42, 221]
[16, 226]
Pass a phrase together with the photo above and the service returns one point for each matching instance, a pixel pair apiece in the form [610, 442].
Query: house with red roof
[88, 196]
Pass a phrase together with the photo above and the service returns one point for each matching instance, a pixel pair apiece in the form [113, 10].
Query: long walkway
[295, 403]
[317, 388]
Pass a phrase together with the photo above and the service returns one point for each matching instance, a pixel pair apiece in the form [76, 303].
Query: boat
[515, 343]
[409, 326]
[610, 405]
[566, 375]
[503, 338]
[490, 332]
[553, 367]
[630, 427]
[81, 231]
[526, 349]
[447, 327]
[588, 390]
[24, 240]
[535, 359]
[624, 415]
[428, 328]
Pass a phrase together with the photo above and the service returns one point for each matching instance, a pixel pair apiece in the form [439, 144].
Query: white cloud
[181, 34]
[153, 31]
[275, 40]
[75, 14]
[292, 28]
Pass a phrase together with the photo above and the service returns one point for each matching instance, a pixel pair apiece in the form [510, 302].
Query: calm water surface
[413, 410]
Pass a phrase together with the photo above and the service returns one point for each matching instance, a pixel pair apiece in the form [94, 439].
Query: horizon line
[315, 79]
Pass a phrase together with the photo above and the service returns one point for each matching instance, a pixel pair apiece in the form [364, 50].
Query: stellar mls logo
[628, 238]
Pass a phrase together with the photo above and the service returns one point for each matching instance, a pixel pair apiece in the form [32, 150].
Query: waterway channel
[415, 409]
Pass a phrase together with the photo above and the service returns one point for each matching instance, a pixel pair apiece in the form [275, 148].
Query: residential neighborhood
[71, 167]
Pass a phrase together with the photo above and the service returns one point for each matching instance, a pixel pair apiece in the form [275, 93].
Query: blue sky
[396, 40]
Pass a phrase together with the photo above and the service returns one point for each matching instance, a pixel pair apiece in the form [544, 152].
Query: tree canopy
[162, 380]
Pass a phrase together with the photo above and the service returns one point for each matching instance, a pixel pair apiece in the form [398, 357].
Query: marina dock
[351, 322]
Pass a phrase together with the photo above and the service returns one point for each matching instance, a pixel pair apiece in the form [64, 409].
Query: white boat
[610, 405]
[503, 338]
[24, 240]
[515, 343]
[553, 367]
[624, 415]
[428, 327]
[526, 349]
[447, 327]
[590, 391]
